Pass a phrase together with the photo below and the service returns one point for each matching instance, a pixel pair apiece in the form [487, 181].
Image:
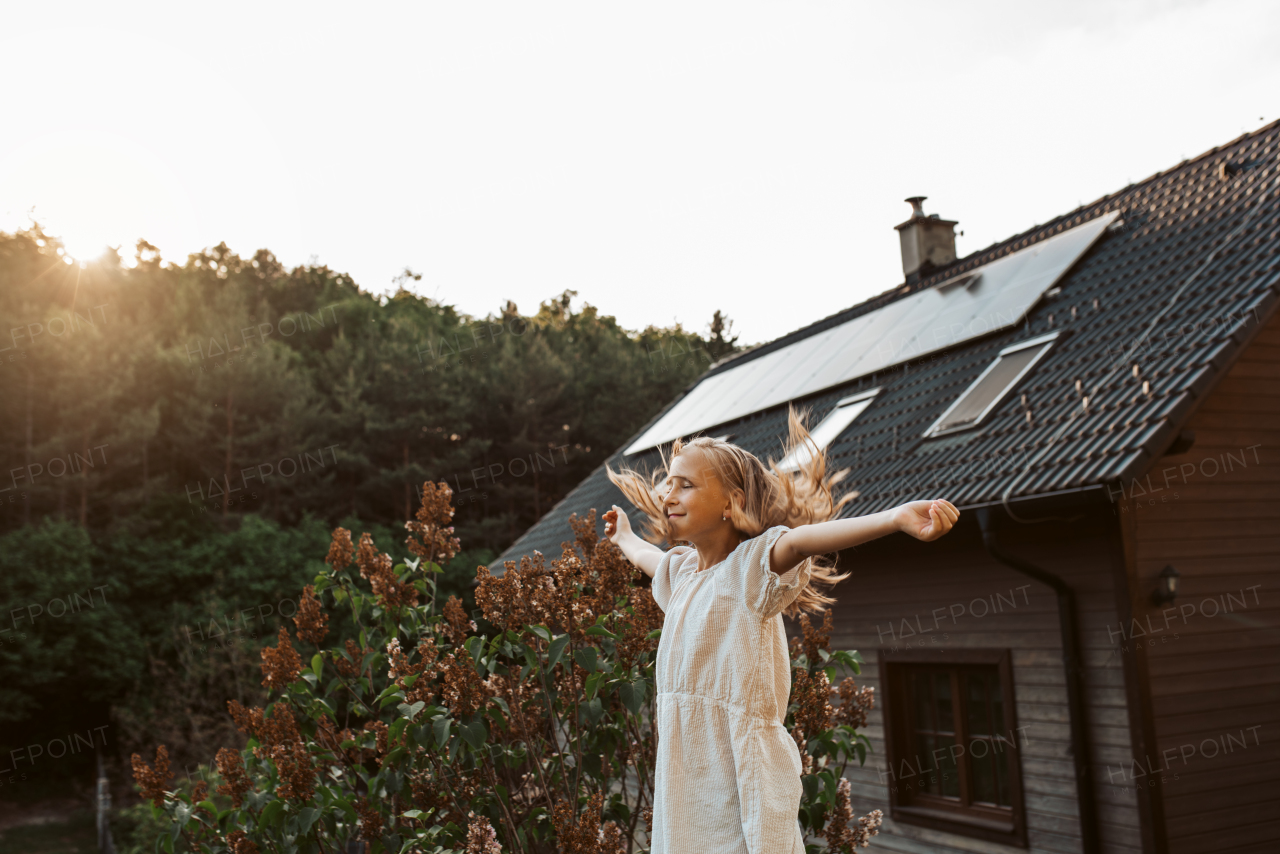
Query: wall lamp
[1168, 589]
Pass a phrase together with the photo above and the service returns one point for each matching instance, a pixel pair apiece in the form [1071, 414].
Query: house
[1091, 660]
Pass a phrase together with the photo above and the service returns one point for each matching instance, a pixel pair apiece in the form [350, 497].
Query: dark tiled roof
[1177, 287]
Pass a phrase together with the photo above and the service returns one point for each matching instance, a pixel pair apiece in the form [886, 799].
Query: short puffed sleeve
[667, 575]
[767, 593]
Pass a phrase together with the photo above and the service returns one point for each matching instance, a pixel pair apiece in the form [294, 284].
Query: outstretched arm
[924, 520]
[617, 527]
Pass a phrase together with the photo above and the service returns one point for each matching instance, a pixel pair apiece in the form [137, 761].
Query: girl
[728, 774]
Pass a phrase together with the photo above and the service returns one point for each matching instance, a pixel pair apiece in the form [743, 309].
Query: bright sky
[662, 159]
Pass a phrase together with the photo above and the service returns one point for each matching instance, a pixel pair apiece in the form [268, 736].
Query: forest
[180, 438]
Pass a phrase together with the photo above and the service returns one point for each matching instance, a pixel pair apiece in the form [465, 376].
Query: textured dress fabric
[728, 773]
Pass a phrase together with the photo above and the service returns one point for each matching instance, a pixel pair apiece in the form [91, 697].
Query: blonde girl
[728, 774]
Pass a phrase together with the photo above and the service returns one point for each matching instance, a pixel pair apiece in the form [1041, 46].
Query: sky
[663, 160]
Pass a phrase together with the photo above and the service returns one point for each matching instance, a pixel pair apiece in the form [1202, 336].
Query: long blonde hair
[760, 496]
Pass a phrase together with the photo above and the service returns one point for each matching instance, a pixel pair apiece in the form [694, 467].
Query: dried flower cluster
[528, 707]
[340, 550]
[434, 535]
[239, 843]
[350, 669]
[236, 783]
[370, 821]
[523, 595]
[591, 578]
[585, 835]
[280, 664]
[153, 781]
[461, 688]
[813, 712]
[378, 569]
[399, 669]
[458, 624]
[813, 639]
[839, 834]
[481, 837]
[280, 742]
[855, 703]
[311, 620]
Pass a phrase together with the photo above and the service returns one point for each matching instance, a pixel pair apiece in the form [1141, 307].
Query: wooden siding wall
[1215, 663]
[897, 580]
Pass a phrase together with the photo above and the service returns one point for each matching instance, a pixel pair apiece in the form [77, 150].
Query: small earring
[724, 518]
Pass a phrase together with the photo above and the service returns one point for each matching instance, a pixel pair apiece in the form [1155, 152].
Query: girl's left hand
[926, 520]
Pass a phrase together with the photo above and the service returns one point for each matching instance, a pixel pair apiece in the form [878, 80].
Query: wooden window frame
[980, 822]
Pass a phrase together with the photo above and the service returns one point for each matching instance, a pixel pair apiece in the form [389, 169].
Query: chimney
[927, 241]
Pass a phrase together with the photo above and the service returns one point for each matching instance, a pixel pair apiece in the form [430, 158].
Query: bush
[416, 734]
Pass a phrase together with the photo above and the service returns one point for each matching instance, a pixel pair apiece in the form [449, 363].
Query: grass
[75, 836]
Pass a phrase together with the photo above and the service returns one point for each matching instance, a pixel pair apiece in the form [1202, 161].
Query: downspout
[1072, 664]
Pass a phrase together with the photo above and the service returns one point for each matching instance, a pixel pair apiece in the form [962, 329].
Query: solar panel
[995, 296]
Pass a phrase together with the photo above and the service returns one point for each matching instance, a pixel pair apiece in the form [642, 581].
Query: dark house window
[954, 750]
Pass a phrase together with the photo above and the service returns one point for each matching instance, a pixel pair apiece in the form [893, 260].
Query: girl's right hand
[616, 524]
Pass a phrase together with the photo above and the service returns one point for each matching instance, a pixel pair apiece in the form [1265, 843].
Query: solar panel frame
[1043, 342]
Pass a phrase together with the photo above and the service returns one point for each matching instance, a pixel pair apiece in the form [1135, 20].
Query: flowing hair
[760, 496]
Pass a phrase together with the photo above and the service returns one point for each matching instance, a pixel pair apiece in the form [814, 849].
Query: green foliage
[178, 433]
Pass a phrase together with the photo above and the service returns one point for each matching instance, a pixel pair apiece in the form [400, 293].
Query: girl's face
[696, 502]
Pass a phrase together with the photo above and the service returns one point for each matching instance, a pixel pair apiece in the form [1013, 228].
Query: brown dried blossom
[434, 535]
[380, 729]
[200, 792]
[378, 569]
[645, 617]
[580, 834]
[481, 837]
[812, 698]
[350, 669]
[280, 664]
[311, 620]
[458, 622]
[297, 773]
[814, 638]
[400, 670]
[461, 688]
[527, 718]
[838, 833]
[430, 795]
[248, 721]
[238, 842]
[370, 821]
[340, 550]
[523, 595]
[855, 703]
[153, 781]
[236, 783]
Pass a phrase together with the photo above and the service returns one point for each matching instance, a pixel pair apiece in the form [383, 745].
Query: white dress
[728, 773]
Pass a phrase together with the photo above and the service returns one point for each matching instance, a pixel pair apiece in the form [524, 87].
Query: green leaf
[586, 658]
[812, 785]
[411, 712]
[557, 647]
[474, 734]
[441, 728]
[541, 631]
[475, 646]
[317, 665]
[632, 695]
[656, 633]
[601, 630]
[589, 687]
[306, 818]
[412, 813]
[592, 710]
[272, 814]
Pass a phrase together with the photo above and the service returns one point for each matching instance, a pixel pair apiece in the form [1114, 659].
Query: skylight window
[829, 428]
[986, 392]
